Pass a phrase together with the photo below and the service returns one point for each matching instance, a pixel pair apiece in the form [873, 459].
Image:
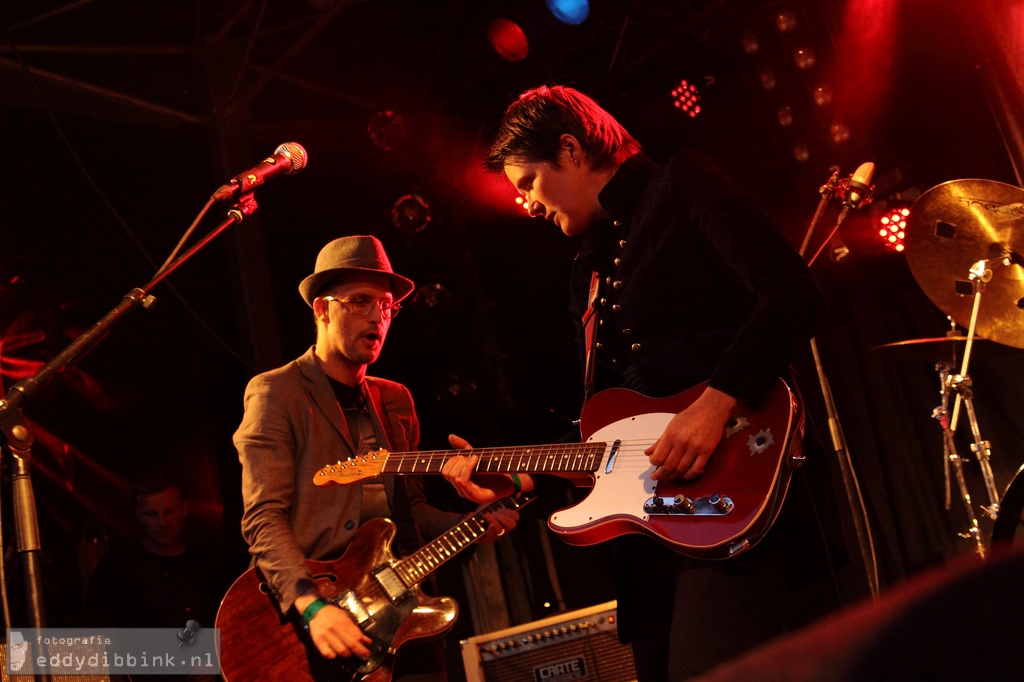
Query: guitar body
[259, 643]
[752, 466]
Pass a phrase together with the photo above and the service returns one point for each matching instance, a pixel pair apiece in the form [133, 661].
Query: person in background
[156, 580]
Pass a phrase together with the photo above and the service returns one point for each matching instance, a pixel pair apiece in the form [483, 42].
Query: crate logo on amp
[569, 669]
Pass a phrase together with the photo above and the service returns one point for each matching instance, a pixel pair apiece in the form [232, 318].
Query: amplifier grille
[580, 645]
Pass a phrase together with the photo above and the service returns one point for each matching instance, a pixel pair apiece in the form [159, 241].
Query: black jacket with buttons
[697, 283]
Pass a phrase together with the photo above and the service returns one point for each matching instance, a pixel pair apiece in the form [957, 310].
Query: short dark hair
[156, 481]
[534, 123]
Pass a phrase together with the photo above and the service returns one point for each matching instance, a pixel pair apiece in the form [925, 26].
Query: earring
[575, 161]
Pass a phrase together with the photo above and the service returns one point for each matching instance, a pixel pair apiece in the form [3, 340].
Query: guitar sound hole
[329, 577]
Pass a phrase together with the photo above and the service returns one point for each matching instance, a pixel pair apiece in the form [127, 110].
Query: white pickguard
[624, 490]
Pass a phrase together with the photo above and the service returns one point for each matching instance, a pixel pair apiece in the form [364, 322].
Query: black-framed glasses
[362, 305]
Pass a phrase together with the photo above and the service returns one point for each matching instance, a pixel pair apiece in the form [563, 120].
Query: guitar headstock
[353, 470]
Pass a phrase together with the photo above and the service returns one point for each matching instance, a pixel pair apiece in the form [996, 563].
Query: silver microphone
[859, 187]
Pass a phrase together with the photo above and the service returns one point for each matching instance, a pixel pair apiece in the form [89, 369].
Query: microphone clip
[853, 194]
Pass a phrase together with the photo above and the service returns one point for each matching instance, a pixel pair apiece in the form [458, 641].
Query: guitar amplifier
[578, 645]
[53, 678]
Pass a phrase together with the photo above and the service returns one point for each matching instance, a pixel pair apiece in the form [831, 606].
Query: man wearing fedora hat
[323, 408]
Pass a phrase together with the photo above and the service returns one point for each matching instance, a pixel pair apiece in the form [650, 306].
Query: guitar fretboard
[557, 458]
[431, 556]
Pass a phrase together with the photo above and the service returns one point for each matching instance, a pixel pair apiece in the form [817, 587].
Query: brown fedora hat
[360, 253]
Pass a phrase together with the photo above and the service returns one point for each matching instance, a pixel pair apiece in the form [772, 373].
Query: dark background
[121, 118]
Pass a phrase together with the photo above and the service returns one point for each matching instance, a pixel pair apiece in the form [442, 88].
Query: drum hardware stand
[961, 386]
[17, 437]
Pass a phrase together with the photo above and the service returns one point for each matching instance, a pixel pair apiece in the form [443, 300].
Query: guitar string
[471, 530]
[499, 459]
[574, 450]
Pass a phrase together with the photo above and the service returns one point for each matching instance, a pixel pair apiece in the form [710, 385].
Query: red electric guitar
[381, 594]
[723, 512]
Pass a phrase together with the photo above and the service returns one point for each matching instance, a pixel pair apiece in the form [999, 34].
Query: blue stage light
[572, 12]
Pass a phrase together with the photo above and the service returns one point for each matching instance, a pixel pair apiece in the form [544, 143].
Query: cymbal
[957, 224]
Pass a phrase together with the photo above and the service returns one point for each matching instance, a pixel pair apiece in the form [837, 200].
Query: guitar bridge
[680, 505]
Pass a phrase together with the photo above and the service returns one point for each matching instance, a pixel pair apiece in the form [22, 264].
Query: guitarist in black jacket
[680, 278]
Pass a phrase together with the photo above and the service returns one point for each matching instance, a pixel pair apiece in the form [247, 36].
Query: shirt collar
[622, 193]
[618, 197]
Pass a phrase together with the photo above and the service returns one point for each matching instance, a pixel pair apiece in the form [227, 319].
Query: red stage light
[893, 225]
[686, 97]
[508, 40]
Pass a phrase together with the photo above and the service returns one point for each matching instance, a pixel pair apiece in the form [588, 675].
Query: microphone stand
[18, 437]
[839, 448]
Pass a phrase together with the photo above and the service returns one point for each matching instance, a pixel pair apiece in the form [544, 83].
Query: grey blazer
[293, 427]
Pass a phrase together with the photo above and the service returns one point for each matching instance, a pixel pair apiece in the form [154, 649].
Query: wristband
[314, 608]
[517, 484]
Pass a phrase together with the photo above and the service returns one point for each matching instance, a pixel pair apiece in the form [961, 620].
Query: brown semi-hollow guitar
[380, 592]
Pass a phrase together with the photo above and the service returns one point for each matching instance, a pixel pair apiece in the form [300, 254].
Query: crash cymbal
[957, 224]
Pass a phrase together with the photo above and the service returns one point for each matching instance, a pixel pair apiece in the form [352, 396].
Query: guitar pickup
[680, 505]
[391, 583]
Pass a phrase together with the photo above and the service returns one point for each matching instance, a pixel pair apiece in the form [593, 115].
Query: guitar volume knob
[684, 504]
[720, 503]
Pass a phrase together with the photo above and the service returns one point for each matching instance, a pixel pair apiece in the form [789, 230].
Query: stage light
[411, 214]
[685, 97]
[572, 12]
[839, 132]
[432, 296]
[767, 79]
[893, 225]
[751, 45]
[805, 59]
[822, 95]
[801, 152]
[785, 116]
[508, 40]
[387, 129]
[522, 202]
[785, 21]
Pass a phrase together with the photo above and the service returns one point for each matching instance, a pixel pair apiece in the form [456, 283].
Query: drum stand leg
[961, 386]
[980, 447]
[952, 458]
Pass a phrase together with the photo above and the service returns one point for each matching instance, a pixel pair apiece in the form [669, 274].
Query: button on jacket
[696, 283]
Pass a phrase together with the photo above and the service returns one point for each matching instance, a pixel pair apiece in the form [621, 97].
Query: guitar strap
[409, 536]
[380, 412]
[590, 318]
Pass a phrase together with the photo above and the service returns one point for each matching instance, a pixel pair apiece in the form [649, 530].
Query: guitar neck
[434, 554]
[541, 459]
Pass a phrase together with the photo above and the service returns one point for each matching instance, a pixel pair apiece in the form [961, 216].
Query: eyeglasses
[362, 305]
